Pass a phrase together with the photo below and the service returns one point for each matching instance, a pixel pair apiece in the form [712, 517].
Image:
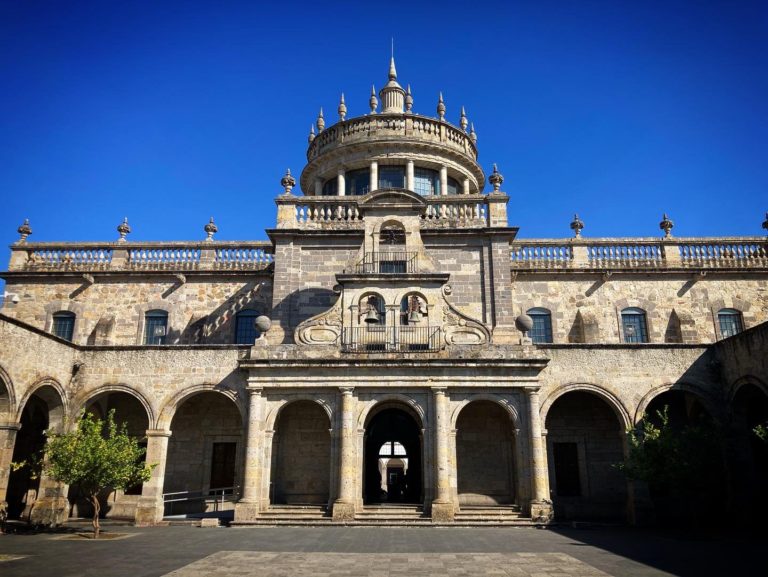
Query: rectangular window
[64, 325]
[357, 182]
[155, 330]
[542, 328]
[223, 465]
[426, 182]
[730, 324]
[245, 329]
[635, 330]
[567, 481]
[391, 177]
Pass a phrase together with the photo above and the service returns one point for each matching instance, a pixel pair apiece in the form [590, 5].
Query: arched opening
[129, 410]
[485, 455]
[301, 455]
[42, 411]
[749, 453]
[204, 455]
[392, 432]
[584, 445]
[682, 408]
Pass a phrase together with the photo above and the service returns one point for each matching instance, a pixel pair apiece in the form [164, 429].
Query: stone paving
[252, 564]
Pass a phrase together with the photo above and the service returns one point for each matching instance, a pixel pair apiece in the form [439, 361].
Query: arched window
[372, 310]
[730, 322]
[155, 327]
[634, 326]
[426, 181]
[391, 177]
[245, 329]
[392, 234]
[542, 325]
[357, 182]
[64, 325]
[413, 310]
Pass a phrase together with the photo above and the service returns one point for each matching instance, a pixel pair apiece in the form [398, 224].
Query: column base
[150, 511]
[50, 511]
[246, 511]
[542, 511]
[443, 512]
[343, 511]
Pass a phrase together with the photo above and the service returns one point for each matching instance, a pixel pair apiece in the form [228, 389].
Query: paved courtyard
[382, 552]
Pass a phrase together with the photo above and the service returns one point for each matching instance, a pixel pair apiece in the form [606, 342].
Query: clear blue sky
[170, 112]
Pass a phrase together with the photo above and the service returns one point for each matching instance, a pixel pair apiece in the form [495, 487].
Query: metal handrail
[387, 262]
[383, 339]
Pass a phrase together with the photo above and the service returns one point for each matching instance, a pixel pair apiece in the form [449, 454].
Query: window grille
[542, 325]
[64, 325]
[245, 329]
[634, 325]
[730, 322]
[155, 327]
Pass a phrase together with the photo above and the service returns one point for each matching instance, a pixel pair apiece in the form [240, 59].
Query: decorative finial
[320, 121]
[441, 107]
[373, 102]
[577, 225]
[472, 133]
[666, 225]
[123, 229]
[392, 70]
[408, 99]
[288, 182]
[342, 108]
[210, 229]
[311, 136]
[25, 230]
[765, 222]
[463, 121]
[496, 178]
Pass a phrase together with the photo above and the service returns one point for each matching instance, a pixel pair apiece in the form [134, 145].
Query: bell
[372, 316]
[414, 317]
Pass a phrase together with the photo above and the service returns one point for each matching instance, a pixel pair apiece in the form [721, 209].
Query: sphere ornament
[666, 225]
[262, 323]
[210, 229]
[124, 229]
[288, 182]
[496, 178]
[577, 225]
[524, 323]
[24, 230]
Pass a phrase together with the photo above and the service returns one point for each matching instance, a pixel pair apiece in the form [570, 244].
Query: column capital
[254, 390]
[158, 433]
[532, 392]
[346, 391]
[439, 390]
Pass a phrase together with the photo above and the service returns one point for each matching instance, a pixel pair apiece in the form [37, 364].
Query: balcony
[389, 262]
[397, 339]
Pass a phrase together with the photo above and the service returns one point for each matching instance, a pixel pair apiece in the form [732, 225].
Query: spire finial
[496, 178]
[463, 120]
[210, 229]
[373, 102]
[577, 225]
[408, 99]
[288, 182]
[342, 108]
[311, 136]
[123, 229]
[25, 230]
[666, 225]
[472, 133]
[441, 107]
[320, 121]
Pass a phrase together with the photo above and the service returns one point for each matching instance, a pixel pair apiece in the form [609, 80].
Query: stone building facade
[393, 342]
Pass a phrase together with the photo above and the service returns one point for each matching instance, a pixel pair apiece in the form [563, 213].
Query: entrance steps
[391, 515]
[305, 515]
[495, 516]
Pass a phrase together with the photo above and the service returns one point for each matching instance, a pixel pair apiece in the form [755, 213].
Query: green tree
[762, 432]
[97, 455]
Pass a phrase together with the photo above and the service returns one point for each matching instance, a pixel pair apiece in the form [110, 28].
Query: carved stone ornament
[322, 329]
[461, 329]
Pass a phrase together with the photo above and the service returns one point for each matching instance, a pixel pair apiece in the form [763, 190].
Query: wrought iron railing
[387, 262]
[396, 339]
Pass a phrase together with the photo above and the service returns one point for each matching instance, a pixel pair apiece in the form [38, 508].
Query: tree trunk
[96, 511]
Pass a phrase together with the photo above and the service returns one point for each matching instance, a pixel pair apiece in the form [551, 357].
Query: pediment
[393, 198]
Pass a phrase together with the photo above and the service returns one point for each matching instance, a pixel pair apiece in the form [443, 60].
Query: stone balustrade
[640, 253]
[384, 126]
[144, 256]
[310, 212]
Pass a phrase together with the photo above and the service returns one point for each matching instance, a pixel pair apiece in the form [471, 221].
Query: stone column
[541, 506]
[373, 182]
[150, 508]
[442, 507]
[7, 441]
[344, 507]
[465, 186]
[443, 180]
[409, 176]
[341, 183]
[247, 508]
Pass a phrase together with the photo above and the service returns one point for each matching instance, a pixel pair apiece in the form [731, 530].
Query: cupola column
[409, 180]
[341, 183]
[374, 176]
[466, 186]
[318, 187]
[443, 180]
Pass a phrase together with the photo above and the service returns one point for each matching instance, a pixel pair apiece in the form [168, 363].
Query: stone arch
[119, 388]
[301, 453]
[693, 389]
[508, 406]
[169, 408]
[274, 413]
[377, 404]
[743, 381]
[7, 397]
[613, 401]
[52, 393]
[486, 454]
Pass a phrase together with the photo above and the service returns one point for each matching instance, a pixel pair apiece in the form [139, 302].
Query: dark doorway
[389, 475]
[22, 484]
[223, 461]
